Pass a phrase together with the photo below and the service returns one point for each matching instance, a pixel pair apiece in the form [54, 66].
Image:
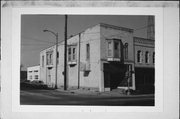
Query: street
[55, 97]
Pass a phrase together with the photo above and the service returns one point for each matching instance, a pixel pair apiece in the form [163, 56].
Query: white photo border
[16, 48]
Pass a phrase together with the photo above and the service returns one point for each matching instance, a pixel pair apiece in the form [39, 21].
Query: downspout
[79, 61]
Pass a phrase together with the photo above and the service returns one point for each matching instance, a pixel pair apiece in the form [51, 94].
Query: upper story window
[72, 53]
[30, 71]
[116, 49]
[113, 48]
[153, 57]
[126, 51]
[43, 61]
[69, 54]
[87, 51]
[49, 56]
[139, 56]
[35, 70]
[147, 57]
[109, 48]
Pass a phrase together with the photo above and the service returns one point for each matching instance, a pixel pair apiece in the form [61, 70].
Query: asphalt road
[54, 97]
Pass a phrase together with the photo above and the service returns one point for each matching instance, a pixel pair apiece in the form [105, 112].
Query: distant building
[103, 57]
[33, 73]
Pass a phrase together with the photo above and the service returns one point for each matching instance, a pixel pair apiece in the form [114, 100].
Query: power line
[35, 39]
[141, 28]
[27, 44]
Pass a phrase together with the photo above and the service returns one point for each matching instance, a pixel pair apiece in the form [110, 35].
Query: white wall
[32, 72]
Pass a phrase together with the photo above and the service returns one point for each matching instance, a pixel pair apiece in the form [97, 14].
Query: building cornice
[143, 41]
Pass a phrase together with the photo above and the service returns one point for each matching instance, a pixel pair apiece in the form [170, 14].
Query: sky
[33, 39]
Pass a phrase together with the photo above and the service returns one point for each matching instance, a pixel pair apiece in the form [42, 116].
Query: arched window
[139, 58]
[153, 57]
[147, 57]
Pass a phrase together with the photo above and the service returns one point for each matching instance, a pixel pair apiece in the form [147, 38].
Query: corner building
[102, 57]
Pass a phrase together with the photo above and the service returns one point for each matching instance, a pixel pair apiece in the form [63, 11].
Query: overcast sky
[33, 39]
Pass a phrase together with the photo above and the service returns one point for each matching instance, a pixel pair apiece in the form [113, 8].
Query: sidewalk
[114, 93]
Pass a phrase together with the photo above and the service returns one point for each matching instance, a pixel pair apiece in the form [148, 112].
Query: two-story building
[33, 73]
[101, 58]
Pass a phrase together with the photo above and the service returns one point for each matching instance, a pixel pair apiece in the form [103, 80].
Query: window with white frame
[72, 53]
[35, 70]
[114, 48]
[109, 49]
[49, 56]
[146, 57]
[43, 61]
[139, 56]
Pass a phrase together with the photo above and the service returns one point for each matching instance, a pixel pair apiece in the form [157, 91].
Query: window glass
[116, 49]
[110, 48]
[69, 54]
[147, 57]
[74, 53]
[43, 61]
[116, 45]
[153, 57]
[87, 51]
[35, 70]
[126, 51]
[139, 56]
[49, 56]
[36, 76]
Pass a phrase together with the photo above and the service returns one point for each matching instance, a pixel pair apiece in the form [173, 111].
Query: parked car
[35, 84]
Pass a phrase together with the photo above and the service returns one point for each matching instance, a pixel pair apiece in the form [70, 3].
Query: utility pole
[56, 60]
[65, 54]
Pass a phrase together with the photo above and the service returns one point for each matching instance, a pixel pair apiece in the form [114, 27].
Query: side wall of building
[92, 77]
[82, 72]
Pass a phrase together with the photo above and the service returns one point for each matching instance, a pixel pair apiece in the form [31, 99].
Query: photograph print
[87, 60]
